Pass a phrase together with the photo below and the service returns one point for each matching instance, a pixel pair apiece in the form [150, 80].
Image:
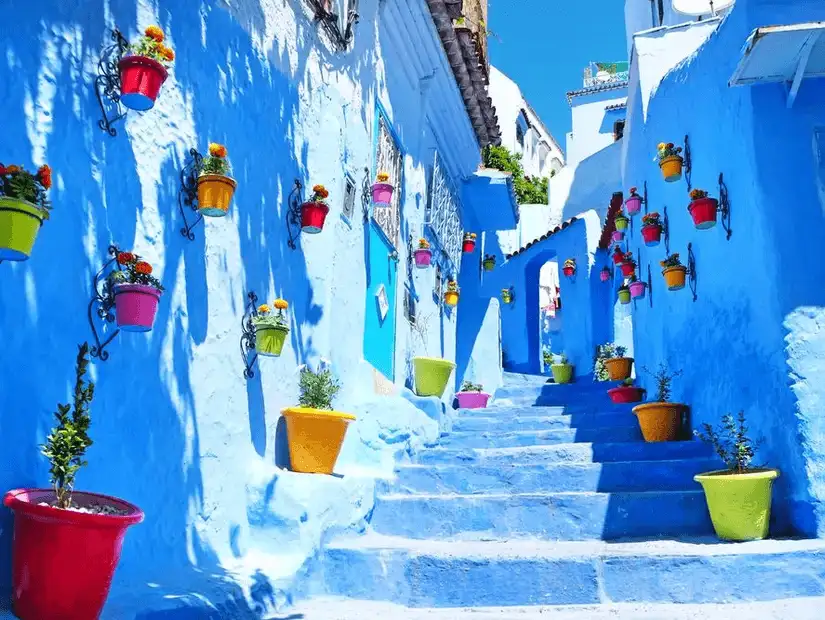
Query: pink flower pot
[382, 194]
[637, 289]
[472, 400]
[136, 306]
[423, 258]
[617, 236]
[633, 204]
[604, 275]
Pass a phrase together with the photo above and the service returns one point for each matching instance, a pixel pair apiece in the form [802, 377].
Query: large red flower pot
[652, 234]
[625, 394]
[628, 269]
[703, 211]
[136, 306]
[140, 82]
[469, 246]
[63, 561]
[618, 258]
[313, 216]
[569, 271]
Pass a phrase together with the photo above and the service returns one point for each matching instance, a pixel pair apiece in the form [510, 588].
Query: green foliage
[731, 442]
[318, 389]
[469, 386]
[132, 269]
[664, 379]
[605, 352]
[547, 357]
[215, 165]
[628, 382]
[67, 443]
[23, 185]
[528, 190]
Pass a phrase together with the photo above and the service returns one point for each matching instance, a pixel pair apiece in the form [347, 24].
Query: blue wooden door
[379, 323]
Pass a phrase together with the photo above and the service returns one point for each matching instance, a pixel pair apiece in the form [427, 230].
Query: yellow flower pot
[618, 368]
[675, 277]
[215, 192]
[659, 421]
[451, 298]
[315, 438]
[671, 168]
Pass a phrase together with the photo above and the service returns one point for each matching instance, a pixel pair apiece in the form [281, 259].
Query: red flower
[124, 258]
[144, 268]
[2, 170]
[44, 173]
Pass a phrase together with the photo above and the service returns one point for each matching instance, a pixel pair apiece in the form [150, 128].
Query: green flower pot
[20, 222]
[739, 504]
[269, 340]
[432, 375]
[621, 223]
[489, 265]
[624, 296]
[562, 373]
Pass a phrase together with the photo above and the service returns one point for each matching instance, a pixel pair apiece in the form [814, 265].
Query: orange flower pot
[619, 368]
[315, 438]
[671, 168]
[675, 277]
[659, 421]
[215, 192]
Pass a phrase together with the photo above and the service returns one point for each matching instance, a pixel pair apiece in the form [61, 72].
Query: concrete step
[531, 421]
[552, 394]
[551, 516]
[511, 410]
[439, 573]
[514, 439]
[673, 475]
[568, 453]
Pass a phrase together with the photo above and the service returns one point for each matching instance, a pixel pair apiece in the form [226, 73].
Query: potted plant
[547, 358]
[611, 364]
[621, 221]
[626, 393]
[452, 293]
[652, 229]
[628, 265]
[423, 255]
[507, 295]
[314, 431]
[66, 543]
[618, 255]
[23, 208]
[604, 274]
[660, 420]
[143, 70]
[624, 294]
[569, 268]
[669, 161]
[674, 272]
[271, 328]
[382, 191]
[314, 211]
[617, 236]
[562, 371]
[702, 209]
[136, 292]
[472, 396]
[489, 262]
[469, 242]
[637, 288]
[633, 202]
[432, 374]
[739, 497]
[215, 186]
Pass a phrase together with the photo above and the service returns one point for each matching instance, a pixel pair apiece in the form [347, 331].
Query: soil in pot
[659, 421]
[739, 504]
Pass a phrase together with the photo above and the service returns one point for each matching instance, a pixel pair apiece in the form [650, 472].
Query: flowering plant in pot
[652, 229]
[452, 293]
[637, 288]
[489, 262]
[314, 211]
[66, 543]
[618, 255]
[24, 206]
[562, 371]
[507, 295]
[611, 364]
[626, 393]
[271, 328]
[432, 374]
[670, 161]
[472, 396]
[315, 431]
[143, 70]
[674, 272]
[624, 294]
[569, 267]
[628, 265]
[382, 190]
[423, 254]
[621, 221]
[702, 209]
[633, 202]
[739, 497]
[660, 420]
[136, 292]
[469, 242]
[215, 186]
[604, 274]
[617, 236]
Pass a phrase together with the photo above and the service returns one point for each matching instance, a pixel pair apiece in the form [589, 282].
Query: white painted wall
[592, 124]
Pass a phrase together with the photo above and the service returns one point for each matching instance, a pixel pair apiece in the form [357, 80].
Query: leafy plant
[133, 270]
[469, 386]
[562, 359]
[547, 357]
[319, 194]
[652, 219]
[697, 194]
[151, 46]
[606, 352]
[664, 379]
[633, 193]
[671, 261]
[267, 318]
[628, 382]
[216, 162]
[318, 389]
[490, 258]
[528, 190]
[666, 149]
[67, 442]
[627, 259]
[423, 244]
[731, 442]
[18, 183]
[619, 215]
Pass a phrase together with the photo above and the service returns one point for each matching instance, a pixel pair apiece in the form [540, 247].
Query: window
[389, 160]
[520, 136]
[618, 130]
[443, 214]
[349, 196]
[661, 6]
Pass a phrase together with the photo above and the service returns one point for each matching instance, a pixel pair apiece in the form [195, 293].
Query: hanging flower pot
[451, 294]
[507, 296]
[143, 71]
[618, 256]
[670, 161]
[617, 236]
[469, 244]
[471, 396]
[215, 186]
[702, 209]
[624, 295]
[628, 269]
[23, 208]
[633, 203]
[423, 255]
[651, 229]
[621, 221]
[627, 393]
[314, 212]
[432, 375]
[674, 272]
[569, 268]
[271, 329]
[604, 274]
[382, 191]
[136, 293]
[489, 262]
[637, 289]
[618, 368]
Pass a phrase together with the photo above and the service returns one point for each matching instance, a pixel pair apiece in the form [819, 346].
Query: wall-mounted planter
[637, 289]
[507, 296]
[140, 80]
[628, 269]
[20, 223]
[675, 277]
[423, 258]
[739, 504]
[562, 373]
[269, 340]
[604, 274]
[136, 306]
[659, 421]
[671, 168]
[569, 268]
[624, 296]
[625, 394]
[619, 368]
[469, 244]
[703, 211]
[382, 194]
[432, 375]
[618, 256]
[634, 203]
[63, 561]
[621, 222]
[315, 438]
[215, 193]
[472, 400]
[451, 296]
[489, 263]
[617, 236]
[652, 235]
[313, 216]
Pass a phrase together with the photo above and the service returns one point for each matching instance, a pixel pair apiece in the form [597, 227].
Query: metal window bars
[389, 160]
[443, 214]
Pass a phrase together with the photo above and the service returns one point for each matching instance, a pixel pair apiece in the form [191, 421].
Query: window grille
[443, 214]
[349, 197]
[389, 160]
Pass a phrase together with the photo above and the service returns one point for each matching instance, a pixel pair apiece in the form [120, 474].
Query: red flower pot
[140, 82]
[569, 271]
[313, 216]
[618, 258]
[625, 394]
[63, 561]
[469, 246]
[703, 211]
[628, 269]
[652, 234]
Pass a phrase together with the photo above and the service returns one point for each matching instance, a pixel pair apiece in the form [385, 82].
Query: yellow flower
[662, 146]
[155, 33]
[281, 304]
[263, 309]
[217, 150]
[383, 177]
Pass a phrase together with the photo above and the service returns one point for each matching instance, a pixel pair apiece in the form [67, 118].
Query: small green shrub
[731, 442]
[469, 386]
[664, 379]
[318, 389]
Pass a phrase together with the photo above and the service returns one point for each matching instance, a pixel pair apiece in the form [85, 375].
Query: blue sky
[544, 45]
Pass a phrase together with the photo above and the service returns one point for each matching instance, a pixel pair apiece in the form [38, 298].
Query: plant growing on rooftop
[528, 190]
[318, 389]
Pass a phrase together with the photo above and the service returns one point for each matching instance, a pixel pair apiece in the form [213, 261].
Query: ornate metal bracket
[410, 258]
[248, 335]
[644, 200]
[666, 230]
[691, 271]
[107, 83]
[293, 214]
[101, 304]
[724, 205]
[688, 163]
[188, 192]
[649, 286]
[329, 21]
[366, 195]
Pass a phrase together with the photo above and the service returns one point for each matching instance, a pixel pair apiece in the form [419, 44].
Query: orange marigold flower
[143, 267]
[13, 169]
[217, 150]
[320, 191]
[155, 33]
[280, 304]
[263, 309]
[124, 258]
[44, 173]
[167, 53]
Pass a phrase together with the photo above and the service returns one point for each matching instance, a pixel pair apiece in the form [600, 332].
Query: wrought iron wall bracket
[645, 199]
[691, 271]
[366, 195]
[666, 230]
[688, 163]
[293, 214]
[649, 286]
[410, 258]
[188, 192]
[724, 205]
[107, 83]
[248, 353]
[101, 305]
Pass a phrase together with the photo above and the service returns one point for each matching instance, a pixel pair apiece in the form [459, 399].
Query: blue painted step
[552, 516]
[494, 421]
[515, 439]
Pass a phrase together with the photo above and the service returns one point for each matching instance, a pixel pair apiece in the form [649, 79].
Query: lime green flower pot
[739, 504]
[432, 375]
[562, 373]
[269, 340]
[20, 222]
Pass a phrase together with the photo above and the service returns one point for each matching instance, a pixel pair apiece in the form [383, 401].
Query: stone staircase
[548, 501]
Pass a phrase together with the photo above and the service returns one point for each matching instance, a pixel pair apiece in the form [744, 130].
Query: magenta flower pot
[472, 400]
[617, 236]
[136, 306]
[633, 204]
[382, 194]
[423, 258]
[637, 289]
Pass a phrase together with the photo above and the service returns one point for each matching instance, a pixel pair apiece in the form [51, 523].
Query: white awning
[785, 54]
